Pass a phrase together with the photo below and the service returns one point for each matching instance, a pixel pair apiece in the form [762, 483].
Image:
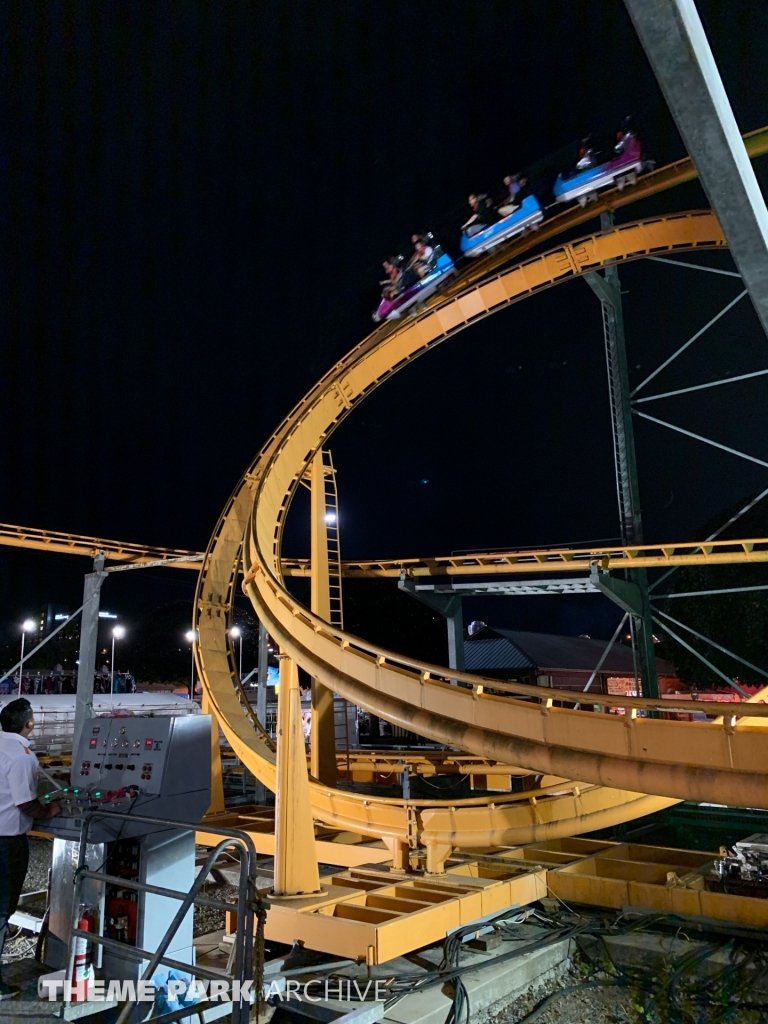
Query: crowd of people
[60, 680]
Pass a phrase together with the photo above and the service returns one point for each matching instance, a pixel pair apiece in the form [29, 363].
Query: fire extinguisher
[82, 966]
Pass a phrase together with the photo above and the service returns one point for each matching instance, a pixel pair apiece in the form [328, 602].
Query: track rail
[30, 537]
[615, 759]
[544, 560]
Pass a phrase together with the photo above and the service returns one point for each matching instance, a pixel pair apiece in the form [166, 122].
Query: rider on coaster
[483, 215]
[424, 257]
[518, 188]
[586, 157]
[623, 137]
[393, 281]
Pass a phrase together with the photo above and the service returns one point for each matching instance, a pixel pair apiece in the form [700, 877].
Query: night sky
[200, 195]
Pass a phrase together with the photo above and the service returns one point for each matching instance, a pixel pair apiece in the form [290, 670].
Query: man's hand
[39, 811]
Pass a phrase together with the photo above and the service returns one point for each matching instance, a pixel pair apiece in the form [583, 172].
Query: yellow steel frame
[615, 758]
[77, 544]
[559, 560]
[650, 556]
[366, 914]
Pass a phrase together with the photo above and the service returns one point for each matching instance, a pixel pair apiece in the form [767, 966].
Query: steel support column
[323, 736]
[608, 290]
[89, 638]
[449, 605]
[261, 676]
[677, 48]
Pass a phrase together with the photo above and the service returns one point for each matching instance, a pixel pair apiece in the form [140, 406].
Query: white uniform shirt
[18, 783]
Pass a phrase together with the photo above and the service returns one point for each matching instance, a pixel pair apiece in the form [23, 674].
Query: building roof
[492, 649]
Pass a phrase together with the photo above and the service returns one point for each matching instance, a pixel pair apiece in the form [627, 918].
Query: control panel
[125, 751]
[158, 767]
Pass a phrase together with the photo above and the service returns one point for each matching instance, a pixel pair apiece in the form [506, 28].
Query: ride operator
[20, 807]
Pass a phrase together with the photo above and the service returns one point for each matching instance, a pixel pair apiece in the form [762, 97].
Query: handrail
[248, 903]
[438, 674]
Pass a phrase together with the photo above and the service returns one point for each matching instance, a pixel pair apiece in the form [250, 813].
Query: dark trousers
[14, 860]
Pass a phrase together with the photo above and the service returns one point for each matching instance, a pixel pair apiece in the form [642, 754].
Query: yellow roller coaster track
[615, 759]
[544, 560]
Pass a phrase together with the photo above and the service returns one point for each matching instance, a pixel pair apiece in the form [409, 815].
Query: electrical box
[158, 767]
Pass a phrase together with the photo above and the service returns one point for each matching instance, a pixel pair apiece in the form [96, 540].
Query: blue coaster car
[622, 170]
[526, 218]
[391, 309]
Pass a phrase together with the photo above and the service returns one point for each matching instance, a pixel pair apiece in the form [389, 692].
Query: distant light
[107, 615]
[330, 517]
[235, 632]
[118, 632]
[425, 481]
[60, 616]
[190, 635]
[29, 625]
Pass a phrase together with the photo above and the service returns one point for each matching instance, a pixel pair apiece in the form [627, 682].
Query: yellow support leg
[296, 870]
[217, 781]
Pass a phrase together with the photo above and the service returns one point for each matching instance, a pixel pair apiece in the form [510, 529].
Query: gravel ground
[206, 918]
[595, 1005]
[39, 864]
[19, 945]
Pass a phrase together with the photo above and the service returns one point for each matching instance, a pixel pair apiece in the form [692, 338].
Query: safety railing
[248, 960]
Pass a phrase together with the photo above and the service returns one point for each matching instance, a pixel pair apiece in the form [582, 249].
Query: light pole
[237, 634]
[27, 626]
[191, 637]
[117, 634]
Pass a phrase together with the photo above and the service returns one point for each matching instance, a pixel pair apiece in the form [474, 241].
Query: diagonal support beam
[716, 534]
[702, 387]
[607, 651]
[698, 437]
[694, 266]
[700, 656]
[677, 48]
[690, 341]
[712, 643]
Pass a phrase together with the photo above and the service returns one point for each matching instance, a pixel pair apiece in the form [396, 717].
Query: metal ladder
[332, 532]
[334, 565]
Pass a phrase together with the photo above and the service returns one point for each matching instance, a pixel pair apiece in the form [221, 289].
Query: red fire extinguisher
[82, 967]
